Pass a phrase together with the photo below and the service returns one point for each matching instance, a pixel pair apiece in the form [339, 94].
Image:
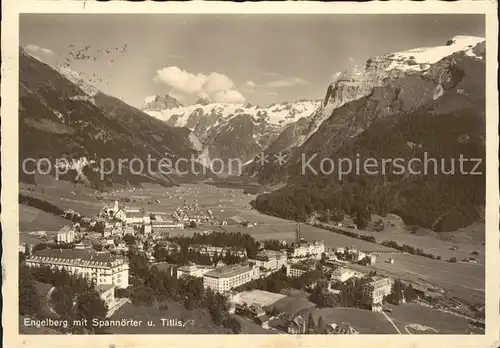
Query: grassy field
[363, 321]
[465, 281]
[292, 305]
[431, 242]
[404, 317]
[202, 321]
[65, 196]
[444, 323]
[34, 219]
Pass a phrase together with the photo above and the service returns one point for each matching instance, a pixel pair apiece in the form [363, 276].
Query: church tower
[297, 233]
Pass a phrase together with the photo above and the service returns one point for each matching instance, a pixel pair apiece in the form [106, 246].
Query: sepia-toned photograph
[312, 174]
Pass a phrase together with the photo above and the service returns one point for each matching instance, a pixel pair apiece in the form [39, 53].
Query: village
[100, 248]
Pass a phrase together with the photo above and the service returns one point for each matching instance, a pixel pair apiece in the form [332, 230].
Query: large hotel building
[270, 259]
[375, 291]
[100, 268]
[226, 278]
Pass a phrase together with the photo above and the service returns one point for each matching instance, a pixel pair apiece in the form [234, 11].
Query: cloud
[229, 96]
[181, 80]
[34, 49]
[250, 84]
[287, 82]
[272, 94]
[216, 86]
[350, 59]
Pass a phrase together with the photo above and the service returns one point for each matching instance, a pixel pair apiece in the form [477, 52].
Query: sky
[260, 59]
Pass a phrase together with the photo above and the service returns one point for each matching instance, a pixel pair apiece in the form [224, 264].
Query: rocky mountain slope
[159, 103]
[423, 102]
[62, 116]
[358, 82]
[230, 130]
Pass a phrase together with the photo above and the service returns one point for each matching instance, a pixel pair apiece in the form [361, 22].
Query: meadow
[33, 219]
[444, 323]
[363, 321]
[404, 316]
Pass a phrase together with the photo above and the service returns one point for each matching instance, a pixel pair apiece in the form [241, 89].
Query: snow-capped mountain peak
[359, 80]
[419, 59]
[157, 102]
[203, 101]
[276, 114]
[235, 130]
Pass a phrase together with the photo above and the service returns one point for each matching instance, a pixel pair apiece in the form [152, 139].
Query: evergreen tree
[321, 325]
[397, 291]
[88, 306]
[29, 300]
[410, 294]
[311, 325]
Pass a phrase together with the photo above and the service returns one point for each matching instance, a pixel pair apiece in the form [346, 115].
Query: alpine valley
[420, 102]
[63, 116]
[212, 169]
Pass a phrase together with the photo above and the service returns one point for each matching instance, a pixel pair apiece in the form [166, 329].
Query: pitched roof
[228, 271]
[261, 319]
[104, 287]
[76, 255]
[299, 320]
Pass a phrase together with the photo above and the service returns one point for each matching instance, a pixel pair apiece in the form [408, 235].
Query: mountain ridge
[239, 130]
[59, 118]
[360, 81]
[439, 109]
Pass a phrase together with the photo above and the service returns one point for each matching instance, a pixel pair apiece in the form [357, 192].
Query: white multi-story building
[355, 255]
[372, 258]
[226, 278]
[197, 271]
[270, 259]
[101, 268]
[308, 249]
[342, 274]
[376, 290]
[211, 250]
[66, 235]
[165, 226]
[116, 212]
[108, 231]
[134, 217]
[298, 269]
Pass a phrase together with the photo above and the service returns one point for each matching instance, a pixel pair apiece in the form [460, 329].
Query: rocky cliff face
[157, 102]
[359, 81]
[385, 86]
[415, 102]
